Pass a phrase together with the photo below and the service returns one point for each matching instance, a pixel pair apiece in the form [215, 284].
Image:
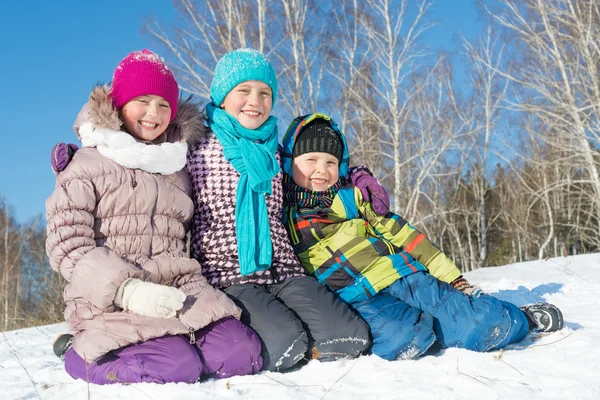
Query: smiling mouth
[148, 125]
[251, 113]
[319, 181]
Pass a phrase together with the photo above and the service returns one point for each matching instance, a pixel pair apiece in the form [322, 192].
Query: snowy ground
[561, 365]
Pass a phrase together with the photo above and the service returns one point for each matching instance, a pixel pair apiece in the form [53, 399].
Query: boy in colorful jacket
[409, 292]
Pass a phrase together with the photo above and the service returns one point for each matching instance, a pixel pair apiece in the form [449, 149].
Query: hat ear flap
[288, 144]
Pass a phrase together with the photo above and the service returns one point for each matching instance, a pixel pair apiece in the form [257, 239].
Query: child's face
[146, 117]
[250, 103]
[315, 171]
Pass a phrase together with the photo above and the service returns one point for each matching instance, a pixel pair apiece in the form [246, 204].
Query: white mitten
[149, 299]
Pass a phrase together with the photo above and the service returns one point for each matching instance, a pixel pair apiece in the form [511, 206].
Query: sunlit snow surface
[561, 365]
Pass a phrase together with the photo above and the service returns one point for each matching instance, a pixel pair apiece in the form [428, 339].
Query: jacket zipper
[274, 273]
[152, 219]
[192, 334]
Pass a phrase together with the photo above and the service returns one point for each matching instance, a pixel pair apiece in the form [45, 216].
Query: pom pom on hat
[143, 73]
[239, 66]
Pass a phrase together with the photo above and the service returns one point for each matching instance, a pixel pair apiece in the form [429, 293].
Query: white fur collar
[122, 148]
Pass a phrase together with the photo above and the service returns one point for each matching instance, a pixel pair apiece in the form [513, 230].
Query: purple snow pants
[224, 348]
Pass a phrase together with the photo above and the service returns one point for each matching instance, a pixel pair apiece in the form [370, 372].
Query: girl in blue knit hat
[237, 233]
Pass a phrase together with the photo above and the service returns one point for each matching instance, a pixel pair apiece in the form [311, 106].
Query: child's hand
[464, 286]
[371, 189]
[61, 156]
[150, 299]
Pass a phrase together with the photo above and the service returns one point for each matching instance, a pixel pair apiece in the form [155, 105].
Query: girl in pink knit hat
[138, 307]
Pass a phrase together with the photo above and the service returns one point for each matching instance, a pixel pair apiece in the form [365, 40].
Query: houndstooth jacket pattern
[213, 243]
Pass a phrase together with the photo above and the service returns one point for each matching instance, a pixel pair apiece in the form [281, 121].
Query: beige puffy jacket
[108, 223]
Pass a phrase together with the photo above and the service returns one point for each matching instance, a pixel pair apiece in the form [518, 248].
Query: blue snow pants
[410, 315]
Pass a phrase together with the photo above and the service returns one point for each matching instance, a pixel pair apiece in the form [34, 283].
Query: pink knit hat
[142, 73]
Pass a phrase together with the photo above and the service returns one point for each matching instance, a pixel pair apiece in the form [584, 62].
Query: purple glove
[371, 189]
[61, 155]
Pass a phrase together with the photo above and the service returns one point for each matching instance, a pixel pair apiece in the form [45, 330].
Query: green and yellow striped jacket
[356, 252]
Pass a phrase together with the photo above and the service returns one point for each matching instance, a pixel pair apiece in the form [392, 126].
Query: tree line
[496, 168]
[30, 292]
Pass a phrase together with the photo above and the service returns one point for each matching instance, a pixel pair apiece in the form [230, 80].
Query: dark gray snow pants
[300, 318]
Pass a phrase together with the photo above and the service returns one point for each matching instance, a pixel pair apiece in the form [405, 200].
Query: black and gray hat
[318, 136]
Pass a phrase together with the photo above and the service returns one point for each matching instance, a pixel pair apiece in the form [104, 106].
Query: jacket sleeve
[400, 233]
[94, 272]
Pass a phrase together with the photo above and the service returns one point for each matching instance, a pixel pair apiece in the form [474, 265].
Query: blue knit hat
[239, 66]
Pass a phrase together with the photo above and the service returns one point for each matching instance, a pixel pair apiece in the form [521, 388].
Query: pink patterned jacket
[214, 182]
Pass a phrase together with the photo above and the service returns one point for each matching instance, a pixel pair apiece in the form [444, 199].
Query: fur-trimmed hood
[188, 125]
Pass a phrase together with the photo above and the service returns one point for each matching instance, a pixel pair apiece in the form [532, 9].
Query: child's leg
[519, 329]
[283, 339]
[476, 323]
[334, 330]
[400, 332]
[160, 360]
[228, 347]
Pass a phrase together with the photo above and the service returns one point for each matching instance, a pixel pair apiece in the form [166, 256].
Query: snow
[147, 56]
[560, 365]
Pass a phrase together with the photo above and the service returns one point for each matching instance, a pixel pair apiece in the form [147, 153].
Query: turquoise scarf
[252, 154]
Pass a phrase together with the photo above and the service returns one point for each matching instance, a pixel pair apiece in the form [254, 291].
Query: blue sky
[53, 53]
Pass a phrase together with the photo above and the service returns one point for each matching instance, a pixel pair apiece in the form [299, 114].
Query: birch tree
[204, 31]
[290, 34]
[559, 65]
[489, 92]
[393, 39]
[11, 256]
